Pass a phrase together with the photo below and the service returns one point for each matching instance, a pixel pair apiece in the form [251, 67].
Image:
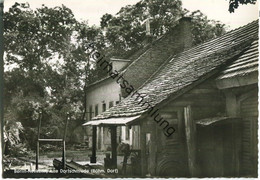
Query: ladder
[51, 140]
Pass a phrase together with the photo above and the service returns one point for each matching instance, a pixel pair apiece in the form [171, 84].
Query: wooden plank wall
[170, 157]
[249, 113]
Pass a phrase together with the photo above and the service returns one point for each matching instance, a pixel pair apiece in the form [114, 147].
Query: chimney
[184, 28]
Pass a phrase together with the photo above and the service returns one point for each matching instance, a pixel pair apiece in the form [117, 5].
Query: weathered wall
[242, 102]
[249, 114]
[104, 92]
[218, 147]
[168, 155]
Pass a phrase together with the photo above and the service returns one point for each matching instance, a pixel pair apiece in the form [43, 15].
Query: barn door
[249, 114]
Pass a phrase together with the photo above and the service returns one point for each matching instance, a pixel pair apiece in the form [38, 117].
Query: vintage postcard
[129, 88]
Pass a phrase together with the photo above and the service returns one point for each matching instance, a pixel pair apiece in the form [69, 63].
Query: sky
[92, 10]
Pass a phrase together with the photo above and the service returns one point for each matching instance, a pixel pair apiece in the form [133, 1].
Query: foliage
[125, 31]
[48, 67]
[13, 135]
[233, 4]
[12, 130]
[204, 29]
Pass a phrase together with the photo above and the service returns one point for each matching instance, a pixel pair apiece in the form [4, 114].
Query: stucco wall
[104, 92]
[99, 94]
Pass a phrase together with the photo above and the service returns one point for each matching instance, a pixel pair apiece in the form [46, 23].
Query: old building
[107, 92]
[198, 112]
[102, 95]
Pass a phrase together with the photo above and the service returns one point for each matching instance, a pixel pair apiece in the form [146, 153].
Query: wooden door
[210, 151]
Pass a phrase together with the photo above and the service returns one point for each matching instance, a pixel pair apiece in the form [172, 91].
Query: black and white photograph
[129, 88]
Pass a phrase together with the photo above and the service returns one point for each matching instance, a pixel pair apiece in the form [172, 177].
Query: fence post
[64, 144]
[38, 143]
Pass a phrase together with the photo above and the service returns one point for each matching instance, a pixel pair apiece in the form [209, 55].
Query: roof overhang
[120, 121]
[217, 121]
[238, 81]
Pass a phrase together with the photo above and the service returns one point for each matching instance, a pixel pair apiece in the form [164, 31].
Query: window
[96, 110]
[111, 104]
[104, 107]
[90, 112]
[127, 133]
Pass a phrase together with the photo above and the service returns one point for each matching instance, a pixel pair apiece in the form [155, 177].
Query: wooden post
[93, 158]
[38, 143]
[64, 142]
[63, 156]
[66, 126]
[190, 130]
[113, 146]
[37, 155]
[181, 129]
[232, 109]
[143, 150]
[182, 138]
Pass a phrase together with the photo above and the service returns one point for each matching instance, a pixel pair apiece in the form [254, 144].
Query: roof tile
[189, 66]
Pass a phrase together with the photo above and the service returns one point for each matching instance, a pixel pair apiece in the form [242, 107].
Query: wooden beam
[143, 150]
[93, 158]
[201, 91]
[37, 155]
[63, 156]
[246, 80]
[66, 126]
[190, 130]
[64, 142]
[38, 140]
[114, 146]
[181, 126]
[39, 125]
[50, 140]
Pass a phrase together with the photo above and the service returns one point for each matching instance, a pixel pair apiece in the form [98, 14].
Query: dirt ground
[46, 160]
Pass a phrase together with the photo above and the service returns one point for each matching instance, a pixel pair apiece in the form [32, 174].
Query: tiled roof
[187, 68]
[245, 64]
[161, 51]
[145, 61]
